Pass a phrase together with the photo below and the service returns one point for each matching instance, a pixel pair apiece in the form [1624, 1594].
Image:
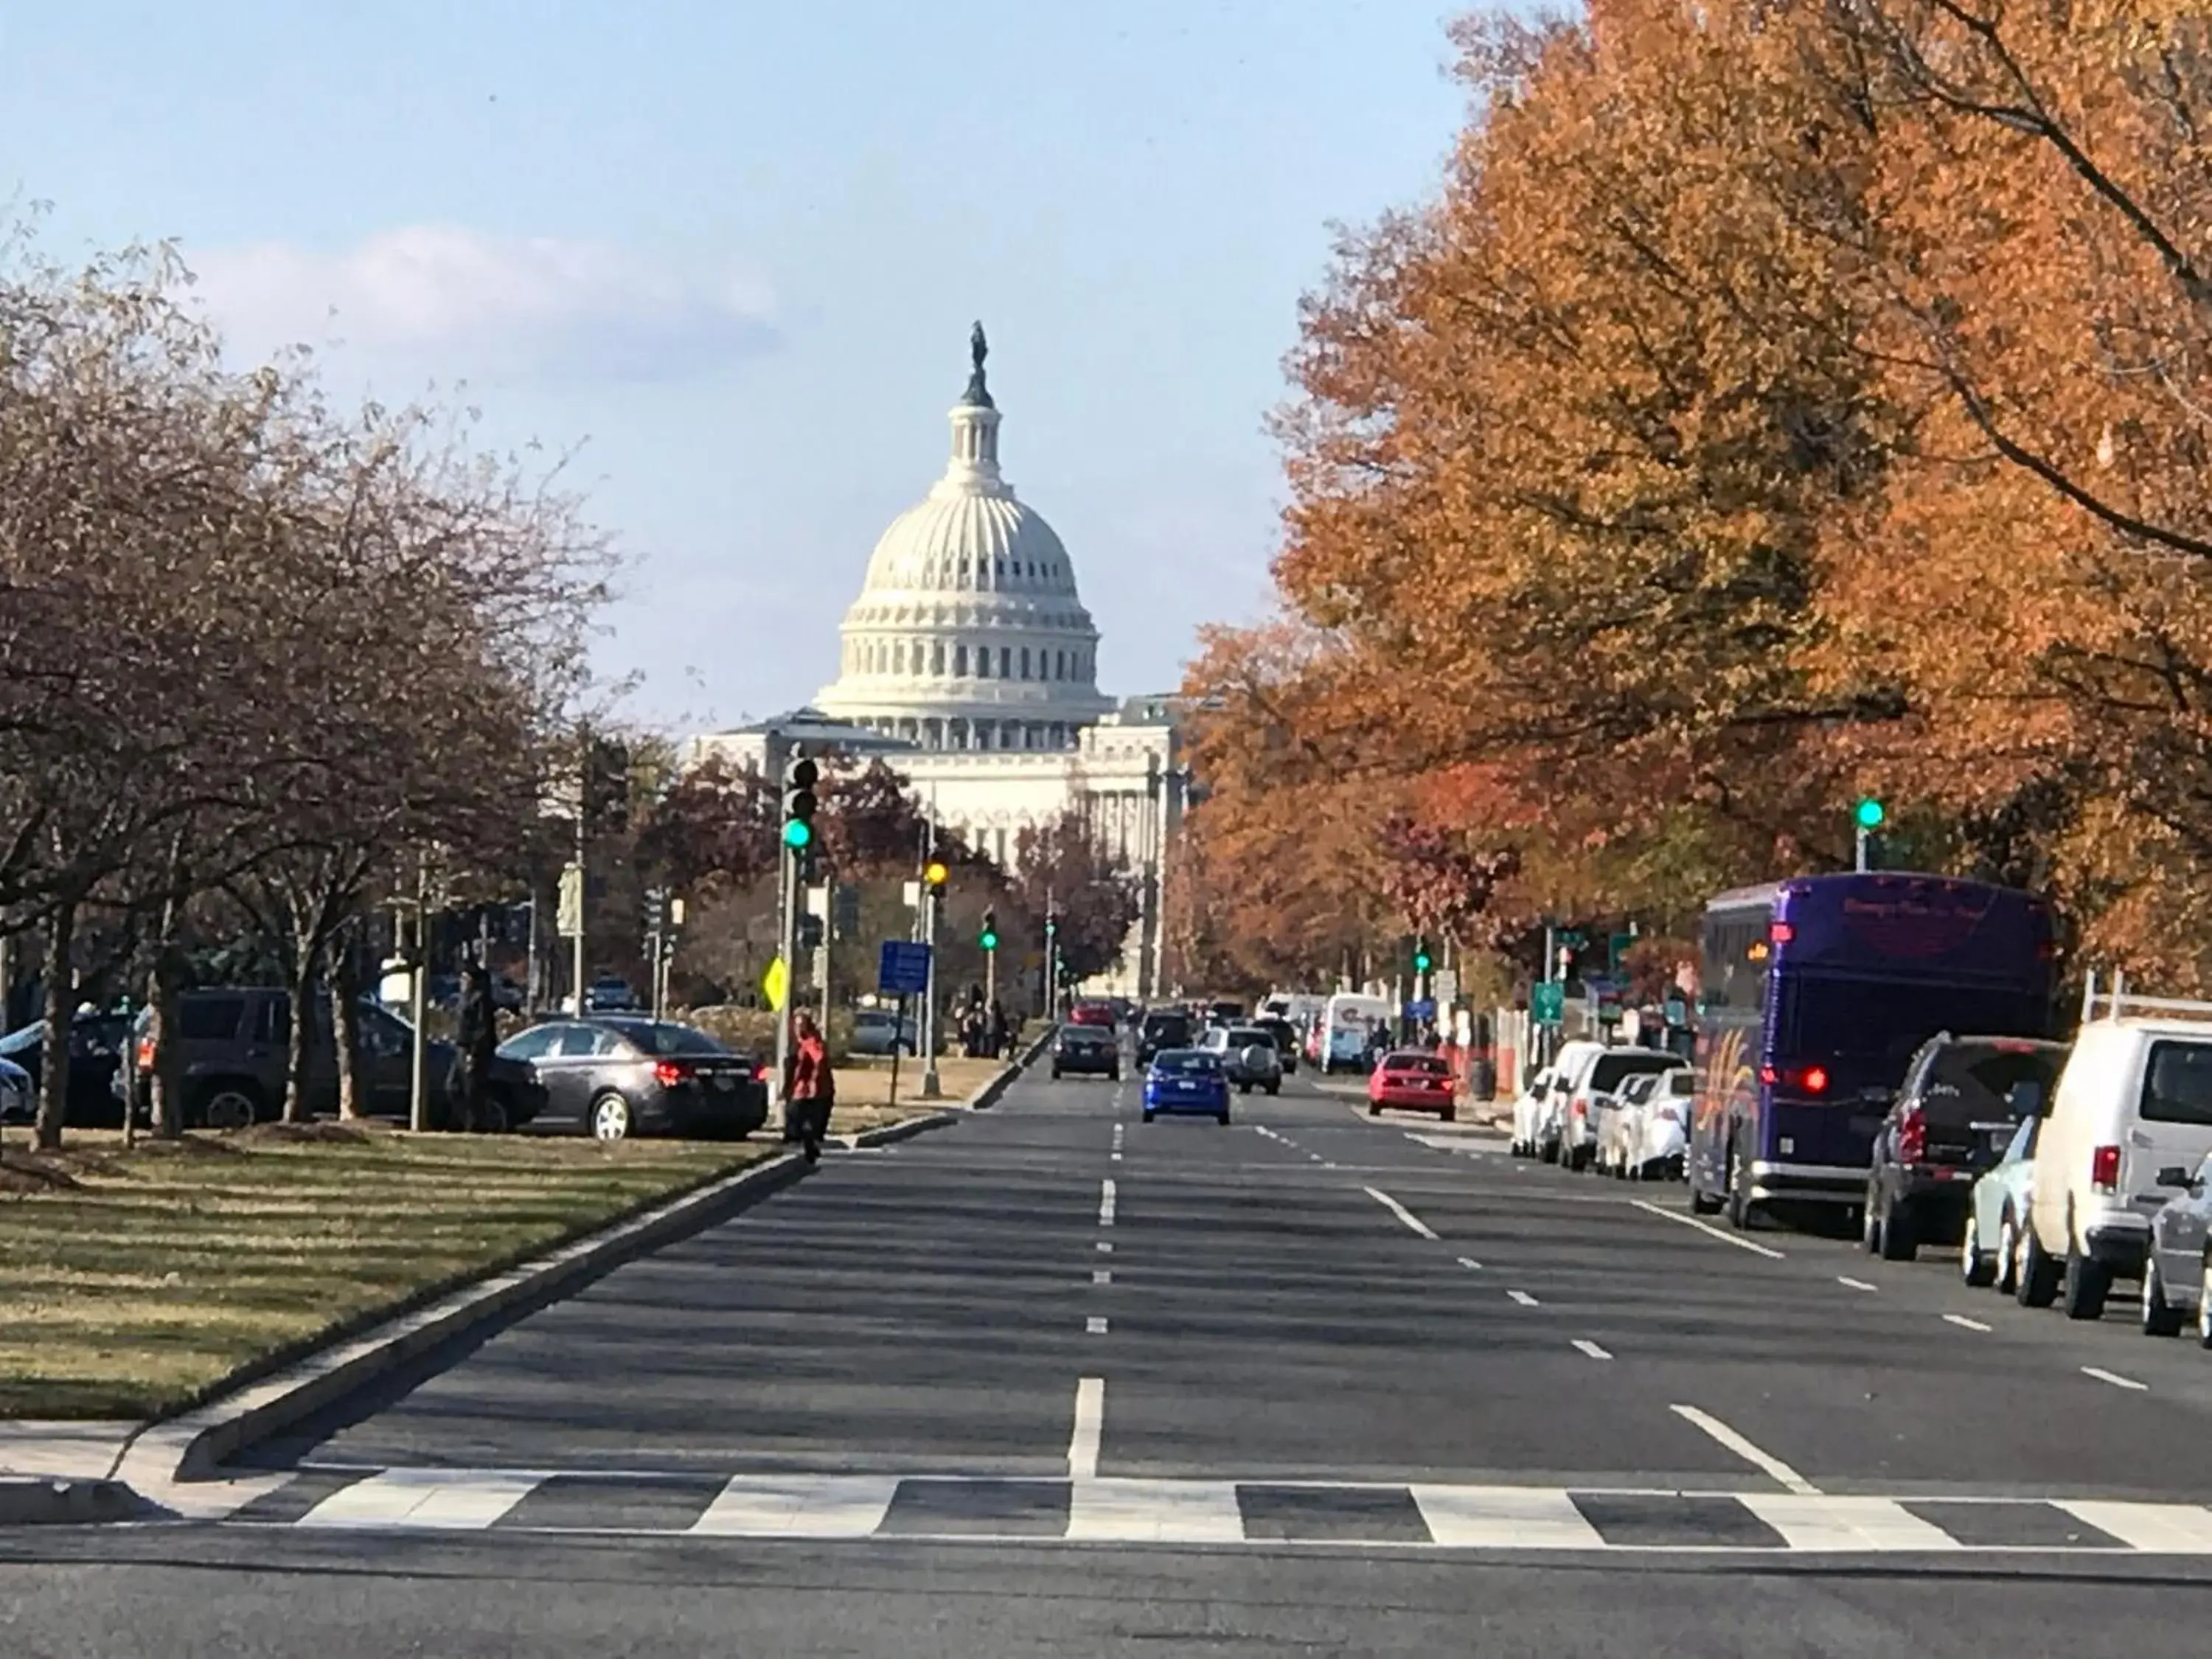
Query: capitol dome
[967, 633]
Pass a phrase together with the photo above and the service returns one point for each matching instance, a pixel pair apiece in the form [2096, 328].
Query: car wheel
[1742, 1212]
[491, 1115]
[1114, 1076]
[1274, 1088]
[1449, 1115]
[1702, 1202]
[1223, 1120]
[1056, 1074]
[610, 1118]
[1374, 1110]
[2159, 1318]
[2086, 1286]
[1243, 1088]
[2205, 1305]
[1148, 1117]
[1900, 1234]
[1976, 1265]
[2036, 1277]
[230, 1106]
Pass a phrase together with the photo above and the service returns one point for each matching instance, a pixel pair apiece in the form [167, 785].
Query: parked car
[234, 1046]
[1248, 1057]
[1643, 1127]
[1163, 1029]
[1186, 1082]
[1996, 1214]
[1594, 1073]
[1528, 1114]
[97, 1042]
[614, 1076]
[1411, 1080]
[878, 1031]
[2178, 1268]
[610, 994]
[1088, 1049]
[2135, 1099]
[1956, 1110]
[19, 1100]
[1287, 1039]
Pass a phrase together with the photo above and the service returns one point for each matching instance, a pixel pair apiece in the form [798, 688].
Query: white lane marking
[1089, 1421]
[1704, 1227]
[1524, 1298]
[1155, 1512]
[1095, 1325]
[1105, 1248]
[1102, 1275]
[1965, 1323]
[1115, 1157]
[1106, 1204]
[1504, 1517]
[1849, 1283]
[799, 1506]
[1591, 1349]
[2115, 1378]
[2162, 1529]
[1846, 1523]
[1466, 1261]
[1742, 1448]
[1399, 1210]
[461, 1500]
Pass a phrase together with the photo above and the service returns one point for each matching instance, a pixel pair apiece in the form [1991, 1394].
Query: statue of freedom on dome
[978, 348]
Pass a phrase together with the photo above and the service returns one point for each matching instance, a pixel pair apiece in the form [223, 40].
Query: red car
[1091, 1013]
[1407, 1080]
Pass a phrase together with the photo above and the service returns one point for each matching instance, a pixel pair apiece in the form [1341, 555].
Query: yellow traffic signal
[935, 875]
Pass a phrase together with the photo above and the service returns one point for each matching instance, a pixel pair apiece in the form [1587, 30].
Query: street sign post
[1548, 1002]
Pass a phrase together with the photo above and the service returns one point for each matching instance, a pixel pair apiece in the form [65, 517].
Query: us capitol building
[968, 665]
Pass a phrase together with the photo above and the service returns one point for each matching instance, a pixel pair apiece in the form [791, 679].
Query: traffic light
[606, 784]
[1422, 960]
[1868, 814]
[656, 911]
[988, 938]
[799, 805]
[934, 875]
[810, 931]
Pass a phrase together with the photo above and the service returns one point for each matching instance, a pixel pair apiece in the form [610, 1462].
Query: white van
[2134, 1100]
[1345, 1023]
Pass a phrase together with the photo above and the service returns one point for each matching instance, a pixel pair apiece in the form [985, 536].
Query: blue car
[1186, 1080]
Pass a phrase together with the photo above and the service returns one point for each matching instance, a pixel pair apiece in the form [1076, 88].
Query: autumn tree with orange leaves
[1778, 402]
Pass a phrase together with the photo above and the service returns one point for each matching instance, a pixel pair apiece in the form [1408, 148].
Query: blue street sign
[1425, 1008]
[903, 969]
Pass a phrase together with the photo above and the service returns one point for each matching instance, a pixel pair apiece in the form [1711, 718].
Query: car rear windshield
[1169, 1027]
[1188, 1061]
[1606, 1075]
[210, 1019]
[1251, 1036]
[1431, 1063]
[665, 1039]
[2178, 1083]
[1970, 1082]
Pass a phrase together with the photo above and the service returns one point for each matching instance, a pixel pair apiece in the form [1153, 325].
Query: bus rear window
[1887, 1020]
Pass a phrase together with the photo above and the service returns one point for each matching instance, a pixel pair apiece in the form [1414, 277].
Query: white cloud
[465, 301]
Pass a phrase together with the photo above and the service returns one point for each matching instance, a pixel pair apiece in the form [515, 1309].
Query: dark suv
[1159, 1031]
[236, 1045]
[1961, 1100]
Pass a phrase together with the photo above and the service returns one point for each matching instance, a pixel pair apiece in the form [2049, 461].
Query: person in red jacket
[809, 1089]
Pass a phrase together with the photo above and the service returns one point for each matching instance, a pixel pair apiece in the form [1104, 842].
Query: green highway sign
[1548, 1002]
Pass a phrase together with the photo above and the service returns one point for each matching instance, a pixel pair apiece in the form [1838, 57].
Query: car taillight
[1911, 1136]
[667, 1074]
[1816, 1079]
[2105, 1169]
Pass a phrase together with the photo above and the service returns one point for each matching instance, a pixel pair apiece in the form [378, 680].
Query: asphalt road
[1056, 1381]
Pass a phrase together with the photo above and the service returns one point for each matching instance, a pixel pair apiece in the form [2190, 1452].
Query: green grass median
[133, 1281]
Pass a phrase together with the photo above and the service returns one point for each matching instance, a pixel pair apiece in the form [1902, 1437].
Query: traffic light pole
[583, 872]
[1860, 862]
[787, 934]
[931, 1089]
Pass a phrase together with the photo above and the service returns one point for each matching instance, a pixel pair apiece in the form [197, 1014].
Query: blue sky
[733, 251]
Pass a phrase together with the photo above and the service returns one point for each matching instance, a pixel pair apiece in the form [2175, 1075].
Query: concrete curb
[886, 1133]
[33, 1503]
[193, 1446]
[987, 1095]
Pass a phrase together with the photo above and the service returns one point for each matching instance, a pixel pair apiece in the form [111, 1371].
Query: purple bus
[1816, 992]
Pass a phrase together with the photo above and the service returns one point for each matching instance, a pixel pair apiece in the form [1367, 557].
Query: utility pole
[418, 1002]
[796, 863]
[933, 877]
[580, 965]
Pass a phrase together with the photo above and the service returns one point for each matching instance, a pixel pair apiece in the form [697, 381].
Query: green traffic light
[1421, 963]
[796, 832]
[1869, 814]
[989, 941]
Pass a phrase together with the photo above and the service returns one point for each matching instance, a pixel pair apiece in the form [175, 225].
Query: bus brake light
[1766, 1074]
[1782, 933]
[1816, 1079]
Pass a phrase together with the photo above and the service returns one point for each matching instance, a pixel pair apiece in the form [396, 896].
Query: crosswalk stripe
[798, 1506]
[1846, 1523]
[1504, 1517]
[2159, 1528]
[1155, 1512]
[461, 1499]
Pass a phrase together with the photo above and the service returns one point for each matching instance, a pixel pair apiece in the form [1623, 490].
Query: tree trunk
[167, 1110]
[299, 1045]
[346, 1021]
[60, 1017]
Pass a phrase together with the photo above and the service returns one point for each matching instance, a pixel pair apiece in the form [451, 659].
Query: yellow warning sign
[776, 983]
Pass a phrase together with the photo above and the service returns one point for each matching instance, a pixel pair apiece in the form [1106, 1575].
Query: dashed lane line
[1102, 1275]
[1850, 1284]
[1742, 1448]
[1706, 1228]
[1106, 1204]
[1963, 1323]
[1095, 1325]
[1401, 1212]
[1470, 1264]
[1584, 1345]
[2115, 1379]
[1524, 1298]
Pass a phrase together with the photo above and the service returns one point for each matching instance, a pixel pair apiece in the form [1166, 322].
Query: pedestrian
[479, 1042]
[998, 1030]
[809, 1089]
